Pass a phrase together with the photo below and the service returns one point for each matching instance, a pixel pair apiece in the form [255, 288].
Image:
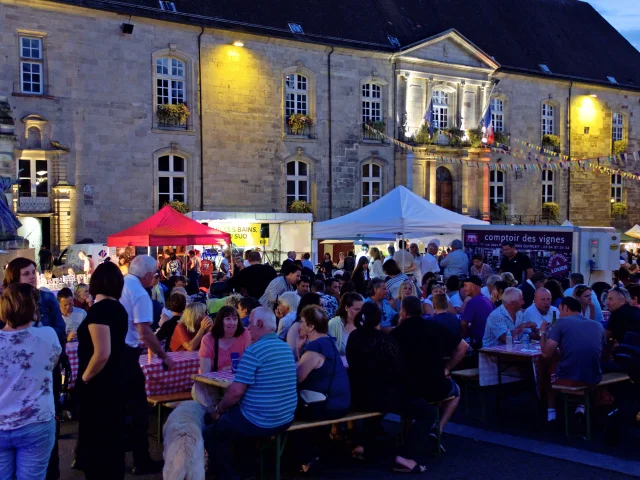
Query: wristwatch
[543, 332]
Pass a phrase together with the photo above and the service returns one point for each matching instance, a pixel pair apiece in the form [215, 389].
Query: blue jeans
[25, 451]
[229, 430]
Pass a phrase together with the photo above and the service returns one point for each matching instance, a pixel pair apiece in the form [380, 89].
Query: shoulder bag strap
[215, 354]
[333, 374]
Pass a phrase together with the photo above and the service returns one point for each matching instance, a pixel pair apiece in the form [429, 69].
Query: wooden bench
[159, 401]
[471, 377]
[583, 391]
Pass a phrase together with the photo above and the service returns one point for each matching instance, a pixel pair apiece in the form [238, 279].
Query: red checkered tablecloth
[157, 380]
[488, 365]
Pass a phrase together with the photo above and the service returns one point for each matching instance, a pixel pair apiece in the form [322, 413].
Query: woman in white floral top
[27, 358]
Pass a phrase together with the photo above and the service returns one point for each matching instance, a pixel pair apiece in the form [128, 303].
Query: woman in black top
[360, 276]
[327, 265]
[378, 384]
[101, 411]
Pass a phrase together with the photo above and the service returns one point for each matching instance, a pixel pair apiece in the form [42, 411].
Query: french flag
[428, 117]
[487, 127]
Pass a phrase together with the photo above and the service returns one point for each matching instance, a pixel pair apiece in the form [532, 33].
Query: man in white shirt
[541, 309]
[417, 262]
[403, 258]
[72, 316]
[429, 260]
[363, 253]
[391, 250]
[137, 302]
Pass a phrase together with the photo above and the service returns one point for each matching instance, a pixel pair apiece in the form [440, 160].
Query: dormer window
[167, 6]
[544, 67]
[296, 28]
[394, 41]
[612, 80]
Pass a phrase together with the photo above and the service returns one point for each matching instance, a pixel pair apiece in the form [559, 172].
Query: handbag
[206, 395]
[311, 403]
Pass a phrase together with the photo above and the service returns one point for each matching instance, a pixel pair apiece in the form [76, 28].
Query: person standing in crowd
[238, 265]
[391, 250]
[529, 287]
[375, 265]
[626, 256]
[193, 325]
[456, 262]
[303, 286]
[253, 280]
[340, 265]
[87, 266]
[45, 258]
[27, 410]
[291, 257]
[395, 277]
[262, 399]
[507, 317]
[137, 303]
[516, 263]
[429, 260]
[82, 297]
[360, 276]
[327, 266]
[72, 316]
[23, 270]
[157, 289]
[289, 277]
[423, 345]
[577, 278]
[349, 262]
[193, 272]
[580, 342]
[341, 326]
[417, 261]
[378, 294]
[479, 268]
[364, 252]
[478, 308]
[403, 259]
[306, 272]
[306, 261]
[101, 406]
[541, 310]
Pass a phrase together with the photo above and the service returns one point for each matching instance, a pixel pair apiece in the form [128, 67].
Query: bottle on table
[555, 318]
[509, 340]
[525, 340]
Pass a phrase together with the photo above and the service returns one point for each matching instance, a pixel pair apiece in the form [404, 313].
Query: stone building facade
[94, 156]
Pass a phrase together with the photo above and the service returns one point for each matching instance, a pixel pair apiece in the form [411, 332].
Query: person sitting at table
[453, 292]
[436, 289]
[262, 399]
[176, 303]
[295, 339]
[577, 278]
[166, 313]
[378, 294]
[193, 325]
[407, 289]
[72, 316]
[584, 295]
[289, 276]
[158, 290]
[101, 408]
[82, 297]
[581, 342]
[498, 291]
[423, 345]
[245, 307]
[555, 289]
[541, 309]
[530, 286]
[28, 357]
[442, 315]
[476, 311]
[378, 384]
[479, 268]
[227, 336]
[341, 326]
[507, 317]
[286, 311]
[320, 373]
[328, 300]
[394, 276]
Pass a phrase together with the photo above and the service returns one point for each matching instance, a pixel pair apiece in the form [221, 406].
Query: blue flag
[487, 127]
[428, 117]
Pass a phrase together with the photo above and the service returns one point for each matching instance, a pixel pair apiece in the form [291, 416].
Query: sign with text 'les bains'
[242, 234]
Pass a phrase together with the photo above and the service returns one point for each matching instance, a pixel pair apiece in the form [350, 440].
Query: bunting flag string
[598, 165]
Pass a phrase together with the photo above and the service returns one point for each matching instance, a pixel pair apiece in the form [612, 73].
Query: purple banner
[523, 240]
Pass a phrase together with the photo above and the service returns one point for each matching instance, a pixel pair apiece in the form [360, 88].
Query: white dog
[183, 443]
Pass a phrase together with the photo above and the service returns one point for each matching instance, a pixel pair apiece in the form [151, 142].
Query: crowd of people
[403, 323]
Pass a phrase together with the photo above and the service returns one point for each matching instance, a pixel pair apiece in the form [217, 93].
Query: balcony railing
[173, 125]
[33, 204]
[523, 220]
[372, 135]
[307, 132]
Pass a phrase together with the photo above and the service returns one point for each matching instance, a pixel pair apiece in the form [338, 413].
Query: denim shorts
[25, 451]
[455, 390]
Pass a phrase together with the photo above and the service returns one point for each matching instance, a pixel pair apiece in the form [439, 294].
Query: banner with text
[242, 234]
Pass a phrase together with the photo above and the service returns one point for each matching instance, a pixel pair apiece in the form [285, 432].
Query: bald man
[541, 309]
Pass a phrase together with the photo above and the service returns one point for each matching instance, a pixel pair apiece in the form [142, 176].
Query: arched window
[170, 81]
[441, 109]
[496, 187]
[617, 131]
[548, 194]
[371, 103]
[297, 181]
[172, 179]
[616, 188]
[548, 122]
[34, 138]
[497, 115]
[371, 182]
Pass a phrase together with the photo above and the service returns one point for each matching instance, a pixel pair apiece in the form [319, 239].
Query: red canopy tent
[168, 227]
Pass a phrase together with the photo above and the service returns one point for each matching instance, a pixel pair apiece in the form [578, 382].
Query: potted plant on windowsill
[173, 115]
[299, 124]
[551, 142]
[619, 146]
[300, 206]
[499, 210]
[550, 211]
[179, 207]
[378, 125]
[618, 210]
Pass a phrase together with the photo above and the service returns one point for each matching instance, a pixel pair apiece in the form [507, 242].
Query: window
[496, 187]
[170, 81]
[544, 67]
[441, 109]
[31, 65]
[394, 41]
[34, 138]
[371, 103]
[547, 186]
[617, 129]
[167, 6]
[296, 94]
[547, 119]
[497, 115]
[612, 80]
[172, 179]
[616, 188]
[297, 181]
[371, 183]
[296, 28]
[33, 176]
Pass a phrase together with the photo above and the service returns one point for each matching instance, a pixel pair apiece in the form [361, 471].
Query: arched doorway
[444, 188]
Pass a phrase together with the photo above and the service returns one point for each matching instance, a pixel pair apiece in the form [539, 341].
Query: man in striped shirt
[262, 399]
[289, 276]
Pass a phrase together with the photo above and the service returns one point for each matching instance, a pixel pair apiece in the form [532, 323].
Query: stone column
[484, 205]
[433, 166]
[401, 111]
[409, 171]
[62, 227]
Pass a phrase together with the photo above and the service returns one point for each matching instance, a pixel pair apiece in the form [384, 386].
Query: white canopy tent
[634, 232]
[399, 212]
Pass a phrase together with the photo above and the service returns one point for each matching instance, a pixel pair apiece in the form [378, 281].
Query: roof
[168, 227]
[568, 36]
